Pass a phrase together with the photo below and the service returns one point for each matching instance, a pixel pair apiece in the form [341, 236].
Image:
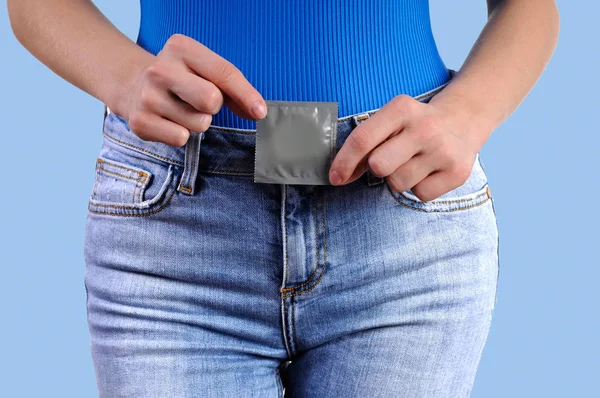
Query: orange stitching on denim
[130, 215]
[133, 207]
[285, 312]
[142, 184]
[434, 210]
[100, 161]
[118, 174]
[189, 164]
[141, 177]
[143, 150]
[294, 293]
[317, 257]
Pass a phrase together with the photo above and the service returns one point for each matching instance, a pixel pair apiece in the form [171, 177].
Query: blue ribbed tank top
[359, 53]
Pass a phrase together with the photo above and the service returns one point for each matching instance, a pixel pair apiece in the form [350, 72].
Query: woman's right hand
[183, 86]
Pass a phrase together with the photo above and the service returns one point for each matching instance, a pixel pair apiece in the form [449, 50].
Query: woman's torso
[359, 53]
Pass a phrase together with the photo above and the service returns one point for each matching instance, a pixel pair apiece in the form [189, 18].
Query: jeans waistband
[220, 150]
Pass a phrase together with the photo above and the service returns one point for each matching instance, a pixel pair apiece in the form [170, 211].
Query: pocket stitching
[429, 207]
[141, 150]
[467, 198]
[101, 160]
[163, 196]
[115, 214]
[141, 180]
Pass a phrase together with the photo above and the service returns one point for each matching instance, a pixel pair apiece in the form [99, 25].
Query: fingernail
[335, 178]
[259, 109]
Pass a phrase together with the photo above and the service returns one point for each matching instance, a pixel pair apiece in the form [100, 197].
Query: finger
[216, 69]
[201, 94]
[393, 153]
[433, 186]
[410, 173]
[208, 99]
[151, 127]
[389, 120]
[173, 108]
[362, 167]
[235, 108]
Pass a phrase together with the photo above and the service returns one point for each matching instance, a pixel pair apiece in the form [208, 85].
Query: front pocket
[474, 192]
[128, 183]
[118, 182]
[463, 202]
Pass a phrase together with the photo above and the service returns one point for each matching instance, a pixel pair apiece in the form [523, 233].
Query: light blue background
[542, 165]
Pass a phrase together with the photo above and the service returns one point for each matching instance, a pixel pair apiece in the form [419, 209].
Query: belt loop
[187, 185]
[106, 112]
[361, 117]
[373, 179]
[370, 178]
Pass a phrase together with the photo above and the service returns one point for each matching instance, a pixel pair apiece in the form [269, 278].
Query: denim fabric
[202, 283]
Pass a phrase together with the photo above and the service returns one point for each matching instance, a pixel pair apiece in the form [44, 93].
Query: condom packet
[296, 142]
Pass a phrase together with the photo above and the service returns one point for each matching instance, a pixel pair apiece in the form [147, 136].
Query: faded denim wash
[202, 283]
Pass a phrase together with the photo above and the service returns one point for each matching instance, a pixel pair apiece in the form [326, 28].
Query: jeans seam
[136, 148]
[293, 289]
[451, 201]
[95, 187]
[172, 180]
[129, 208]
[441, 210]
[497, 256]
[103, 170]
[100, 161]
[294, 337]
[278, 382]
[140, 180]
[286, 333]
[285, 236]
[435, 210]
[228, 172]
[190, 172]
[189, 162]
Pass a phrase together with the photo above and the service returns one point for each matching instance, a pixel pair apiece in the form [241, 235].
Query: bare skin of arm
[427, 147]
[162, 96]
[430, 148]
[504, 64]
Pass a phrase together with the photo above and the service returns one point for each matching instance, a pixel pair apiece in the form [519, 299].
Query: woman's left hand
[414, 145]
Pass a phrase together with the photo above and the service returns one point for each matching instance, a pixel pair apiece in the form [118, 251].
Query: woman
[201, 282]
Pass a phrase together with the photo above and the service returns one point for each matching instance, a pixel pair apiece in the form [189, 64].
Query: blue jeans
[202, 283]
